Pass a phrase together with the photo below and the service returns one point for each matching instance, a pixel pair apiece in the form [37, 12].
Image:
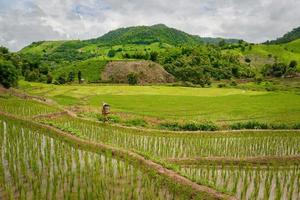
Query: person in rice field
[105, 111]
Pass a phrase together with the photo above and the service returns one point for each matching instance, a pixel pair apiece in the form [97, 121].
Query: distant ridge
[288, 37]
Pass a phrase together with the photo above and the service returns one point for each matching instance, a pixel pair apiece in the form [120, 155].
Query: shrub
[111, 53]
[132, 78]
[247, 60]
[110, 118]
[174, 126]
[233, 83]
[248, 125]
[49, 78]
[279, 126]
[221, 85]
[209, 126]
[258, 80]
[136, 122]
[296, 126]
[191, 126]
[62, 79]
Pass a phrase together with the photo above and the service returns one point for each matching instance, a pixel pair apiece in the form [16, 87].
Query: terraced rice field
[34, 165]
[49, 156]
[249, 182]
[184, 145]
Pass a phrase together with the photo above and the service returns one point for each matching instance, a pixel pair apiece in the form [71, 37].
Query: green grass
[284, 52]
[91, 69]
[85, 90]
[23, 107]
[47, 46]
[268, 107]
[219, 105]
[66, 100]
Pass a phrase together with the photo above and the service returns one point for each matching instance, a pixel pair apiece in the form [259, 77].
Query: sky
[26, 21]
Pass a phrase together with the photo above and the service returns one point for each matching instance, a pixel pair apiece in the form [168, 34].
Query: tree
[243, 48]
[4, 50]
[32, 76]
[153, 56]
[79, 77]
[71, 76]
[247, 60]
[292, 68]
[277, 69]
[8, 74]
[44, 70]
[222, 43]
[62, 79]
[49, 78]
[293, 64]
[132, 78]
[111, 53]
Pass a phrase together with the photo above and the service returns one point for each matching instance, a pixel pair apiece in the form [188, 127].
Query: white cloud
[22, 22]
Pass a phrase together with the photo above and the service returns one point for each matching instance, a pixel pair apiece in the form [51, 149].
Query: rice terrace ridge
[149, 100]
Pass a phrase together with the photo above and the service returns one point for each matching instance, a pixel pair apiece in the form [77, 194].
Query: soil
[146, 71]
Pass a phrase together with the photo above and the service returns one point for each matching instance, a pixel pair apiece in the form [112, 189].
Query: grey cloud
[22, 22]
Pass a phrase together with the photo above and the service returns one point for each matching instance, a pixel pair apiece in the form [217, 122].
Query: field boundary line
[123, 153]
[260, 160]
[186, 132]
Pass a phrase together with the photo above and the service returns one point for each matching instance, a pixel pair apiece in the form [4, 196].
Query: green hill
[288, 37]
[147, 35]
[281, 52]
[187, 57]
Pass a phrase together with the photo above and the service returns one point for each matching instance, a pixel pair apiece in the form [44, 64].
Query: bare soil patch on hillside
[146, 72]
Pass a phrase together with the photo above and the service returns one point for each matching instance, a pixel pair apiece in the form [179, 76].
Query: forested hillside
[288, 37]
[187, 57]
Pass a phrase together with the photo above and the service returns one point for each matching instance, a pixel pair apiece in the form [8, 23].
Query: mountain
[147, 35]
[288, 37]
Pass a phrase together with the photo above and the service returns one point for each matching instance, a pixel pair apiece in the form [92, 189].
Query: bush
[136, 122]
[110, 118]
[221, 85]
[209, 126]
[49, 78]
[279, 126]
[132, 78]
[258, 80]
[32, 76]
[247, 60]
[248, 125]
[192, 126]
[174, 126]
[62, 79]
[233, 83]
[111, 53]
[296, 126]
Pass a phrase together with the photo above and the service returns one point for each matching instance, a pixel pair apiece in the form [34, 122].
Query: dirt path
[122, 153]
[260, 160]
